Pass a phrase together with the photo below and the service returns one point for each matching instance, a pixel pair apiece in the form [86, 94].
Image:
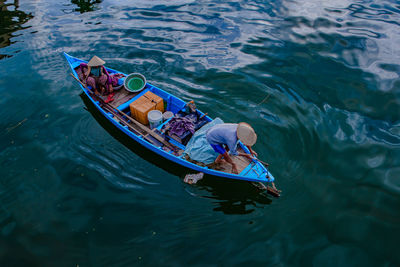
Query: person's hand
[252, 152]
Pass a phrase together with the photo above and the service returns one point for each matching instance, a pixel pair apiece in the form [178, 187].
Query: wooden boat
[118, 113]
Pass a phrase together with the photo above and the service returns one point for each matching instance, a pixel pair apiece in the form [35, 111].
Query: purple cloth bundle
[115, 77]
[179, 126]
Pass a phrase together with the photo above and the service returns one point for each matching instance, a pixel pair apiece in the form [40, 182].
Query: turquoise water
[74, 192]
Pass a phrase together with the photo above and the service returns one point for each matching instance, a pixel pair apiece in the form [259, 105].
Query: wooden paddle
[148, 130]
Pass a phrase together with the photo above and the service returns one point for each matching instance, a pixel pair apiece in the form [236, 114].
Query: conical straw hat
[246, 134]
[96, 61]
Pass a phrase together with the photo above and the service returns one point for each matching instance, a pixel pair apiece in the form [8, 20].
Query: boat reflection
[230, 196]
[11, 20]
[86, 5]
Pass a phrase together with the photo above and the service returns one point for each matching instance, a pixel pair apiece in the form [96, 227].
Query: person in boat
[224, 138]
[97, 77]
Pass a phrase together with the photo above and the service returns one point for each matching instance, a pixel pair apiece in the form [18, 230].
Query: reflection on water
[234, 197]
[11, 20]
[86, 5]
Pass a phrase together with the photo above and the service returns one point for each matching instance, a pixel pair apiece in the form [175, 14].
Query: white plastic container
[167, 115]
[155, 118]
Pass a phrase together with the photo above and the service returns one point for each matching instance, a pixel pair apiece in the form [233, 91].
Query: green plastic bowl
[135, 82]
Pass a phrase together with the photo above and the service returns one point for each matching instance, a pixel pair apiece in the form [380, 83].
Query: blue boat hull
[255, 172]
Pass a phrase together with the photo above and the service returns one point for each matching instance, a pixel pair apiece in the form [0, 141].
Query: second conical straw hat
[246, 134]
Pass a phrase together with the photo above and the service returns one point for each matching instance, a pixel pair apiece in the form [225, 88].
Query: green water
[318, 81]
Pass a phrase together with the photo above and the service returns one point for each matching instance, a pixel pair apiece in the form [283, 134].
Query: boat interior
[175, 145]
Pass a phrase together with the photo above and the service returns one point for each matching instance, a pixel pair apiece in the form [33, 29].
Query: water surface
[72, 192]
